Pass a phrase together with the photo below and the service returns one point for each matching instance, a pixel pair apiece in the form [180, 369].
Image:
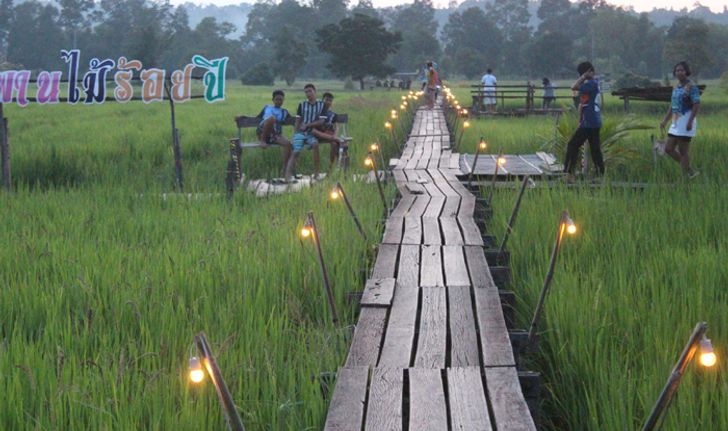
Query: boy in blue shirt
[270, 129]
[590, 122]
[327, 131]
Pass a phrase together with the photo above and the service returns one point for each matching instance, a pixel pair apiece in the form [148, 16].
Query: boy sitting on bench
[307, 119]
[327, 131]
[270, 129]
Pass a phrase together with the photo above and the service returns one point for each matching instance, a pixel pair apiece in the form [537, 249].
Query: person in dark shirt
[590, 122]
[327, 131]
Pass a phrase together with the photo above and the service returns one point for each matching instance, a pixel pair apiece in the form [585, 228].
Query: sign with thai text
[91, 88]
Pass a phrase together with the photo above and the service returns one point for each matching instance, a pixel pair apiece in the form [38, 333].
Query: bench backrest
[244, 122]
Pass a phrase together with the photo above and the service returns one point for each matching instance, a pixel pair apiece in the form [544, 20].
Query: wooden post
[547, 280]
[5, 150]
[322, 266]
[495, 176]
[379, 184]
[663, 402]
[340, 189]
[232, 418]
[175, 141]
[514, 214]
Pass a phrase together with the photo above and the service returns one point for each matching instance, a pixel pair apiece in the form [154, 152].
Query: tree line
[332, 38]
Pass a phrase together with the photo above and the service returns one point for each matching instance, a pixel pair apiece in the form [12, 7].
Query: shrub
[260, 74]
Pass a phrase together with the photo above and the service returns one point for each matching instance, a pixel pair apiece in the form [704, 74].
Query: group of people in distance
[684, 107]
[315, 122]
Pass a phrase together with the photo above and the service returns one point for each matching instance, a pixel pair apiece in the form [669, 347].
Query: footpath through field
[431, 350]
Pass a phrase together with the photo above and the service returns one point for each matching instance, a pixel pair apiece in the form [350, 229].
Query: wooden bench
[235, 168]
[649, 94]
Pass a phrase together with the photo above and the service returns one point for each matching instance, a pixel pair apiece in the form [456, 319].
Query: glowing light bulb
[368, 161]
[387, 124]
[374, 147]
[501, 161]
[393, 112]
[483, 145]
[465, 112]
[334, 193]
[401, 107]
[707, 355]
[196, 372]
[466, 124]
[404, 97]
[570, 227]
[306, 232]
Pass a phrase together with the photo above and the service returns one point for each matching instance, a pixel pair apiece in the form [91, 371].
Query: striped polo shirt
[309, 112]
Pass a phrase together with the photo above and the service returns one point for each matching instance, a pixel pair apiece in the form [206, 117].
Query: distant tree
[365, 7]
[289, 55]
[417, 25]
[687, 40]
[359, 47]
[74, 18]
[260, 74]
[6, 17]
[549, 54]
[330, 11]
[512, 17]
[472, 31]
[34, 35]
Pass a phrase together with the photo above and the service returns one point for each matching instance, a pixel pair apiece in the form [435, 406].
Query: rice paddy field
[103, 283]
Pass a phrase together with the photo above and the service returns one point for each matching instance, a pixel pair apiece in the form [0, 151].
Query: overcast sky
[639, 5]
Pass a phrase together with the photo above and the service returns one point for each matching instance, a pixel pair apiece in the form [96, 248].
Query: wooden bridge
[431, 350]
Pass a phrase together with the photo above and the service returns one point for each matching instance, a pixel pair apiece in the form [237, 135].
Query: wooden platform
[540, 166]
[431, 350]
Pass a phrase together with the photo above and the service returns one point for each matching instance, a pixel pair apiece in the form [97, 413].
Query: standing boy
[590, 122]
[307, 118]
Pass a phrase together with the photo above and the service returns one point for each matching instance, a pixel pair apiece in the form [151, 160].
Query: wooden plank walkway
[431, 350]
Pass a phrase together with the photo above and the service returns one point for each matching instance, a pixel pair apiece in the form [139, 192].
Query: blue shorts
[303, 140]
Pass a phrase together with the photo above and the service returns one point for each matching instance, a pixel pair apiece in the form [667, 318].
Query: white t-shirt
[489, 82]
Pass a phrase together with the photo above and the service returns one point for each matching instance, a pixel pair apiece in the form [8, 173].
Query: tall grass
[645, 267]
[103, 282]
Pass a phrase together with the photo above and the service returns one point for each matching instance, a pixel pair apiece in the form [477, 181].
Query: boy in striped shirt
[307, 118]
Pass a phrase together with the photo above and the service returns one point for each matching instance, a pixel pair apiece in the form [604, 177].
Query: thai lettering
[48, 87]
[94, 81]
[181, 84]
[214, 78]
[152, 85]
[124, 90]
[72, 57]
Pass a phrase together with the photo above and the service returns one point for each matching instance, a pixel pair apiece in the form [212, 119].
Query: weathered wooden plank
[386, 261]
[468, 406]
[393, 230]
[427, 400]
[408, 271]
[467, 207]
[456, 271]
[412, 231]
[400, 334]
[384, 409]
[431, 269]
[431, 231]
[510, 411]
[367, 339]
[471, 233]
[435, 206]
[497, 349]
[378, 292]
[431, 342]
[451, 206]
[463, 338]
[478, 267]
[419, 206]
[451, 231]
[346, 410]
[403, 206]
